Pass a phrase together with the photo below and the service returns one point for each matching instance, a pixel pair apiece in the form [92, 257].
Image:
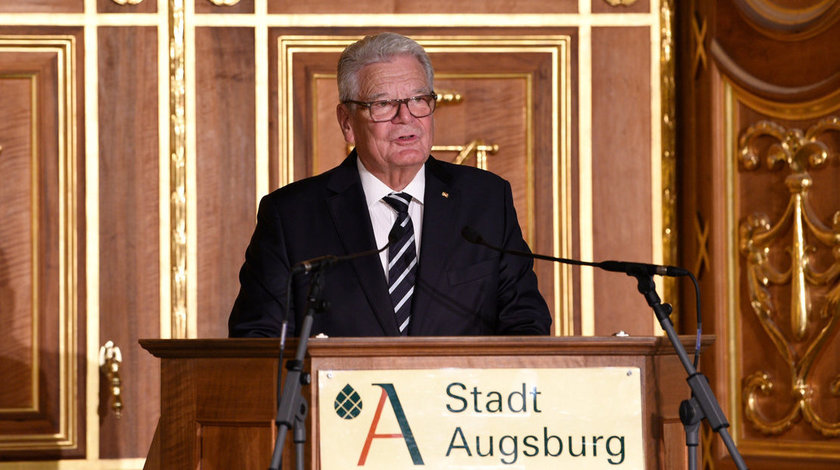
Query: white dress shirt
[383, 216]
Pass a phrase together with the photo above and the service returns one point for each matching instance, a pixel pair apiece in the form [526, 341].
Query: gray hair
[373, 49]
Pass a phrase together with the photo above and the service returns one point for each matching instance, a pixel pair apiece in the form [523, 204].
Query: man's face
[404, 142]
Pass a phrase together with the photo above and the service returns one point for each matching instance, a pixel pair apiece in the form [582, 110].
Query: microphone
[326, 261]
[307, 266]
[629, 268]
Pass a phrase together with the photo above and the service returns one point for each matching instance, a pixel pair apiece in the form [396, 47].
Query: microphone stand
[292, 408]
[703, 404]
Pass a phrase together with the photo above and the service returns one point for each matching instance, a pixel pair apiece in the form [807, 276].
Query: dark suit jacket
[462, 288]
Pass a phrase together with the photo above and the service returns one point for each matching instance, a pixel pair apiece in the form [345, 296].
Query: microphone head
[471, 235]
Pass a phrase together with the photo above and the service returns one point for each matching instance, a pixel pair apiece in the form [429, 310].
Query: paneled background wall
[759, 218]
[137, 137]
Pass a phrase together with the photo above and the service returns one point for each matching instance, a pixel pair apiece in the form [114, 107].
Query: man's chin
[409, 157]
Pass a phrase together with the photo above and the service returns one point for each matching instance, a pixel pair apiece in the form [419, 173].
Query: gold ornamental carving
[668, 109]
[110, 360]
[624, 3]
[814, 294]
[224, 3]
[177, 169]
[445, 97]
[127, 2]
[476, 147]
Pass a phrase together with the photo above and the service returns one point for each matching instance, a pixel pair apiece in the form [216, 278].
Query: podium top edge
[421, 346]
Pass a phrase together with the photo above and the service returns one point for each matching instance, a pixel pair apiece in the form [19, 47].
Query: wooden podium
[218, 396]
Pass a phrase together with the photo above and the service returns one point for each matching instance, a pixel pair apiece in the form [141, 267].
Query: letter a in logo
[391, 394]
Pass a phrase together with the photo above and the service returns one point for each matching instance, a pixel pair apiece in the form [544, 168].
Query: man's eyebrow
[382, 96]
[376, 97]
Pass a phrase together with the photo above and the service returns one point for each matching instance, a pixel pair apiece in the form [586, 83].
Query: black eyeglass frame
[399, 103]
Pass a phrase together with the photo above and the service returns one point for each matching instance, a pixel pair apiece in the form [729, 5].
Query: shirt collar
[375, 189]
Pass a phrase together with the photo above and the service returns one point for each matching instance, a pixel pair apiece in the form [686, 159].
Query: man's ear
[343, 115]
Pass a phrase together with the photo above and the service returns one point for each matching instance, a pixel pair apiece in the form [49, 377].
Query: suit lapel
[440, 233]
[348, 209]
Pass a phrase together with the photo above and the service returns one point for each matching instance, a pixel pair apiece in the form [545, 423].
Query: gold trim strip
[803, 111]
[164, 204]
[191, 176]
[338, 20]
[731, 340]
[585, 198]
[262, 175]
[91, 67]
[564, 161]
[76, 19]
[665, 138]
[177, 169]
[450, 20]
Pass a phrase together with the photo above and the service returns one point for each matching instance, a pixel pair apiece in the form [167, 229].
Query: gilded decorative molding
[445, 97]
[623, 3]
[759, 239]
[476, 147]
[224, 3]
[668, 107]
[110, 360]
[177, 169]
[127, 2]
[790, 24]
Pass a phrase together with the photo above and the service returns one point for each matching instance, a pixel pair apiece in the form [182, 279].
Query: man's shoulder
[311, 187]
[455, 174]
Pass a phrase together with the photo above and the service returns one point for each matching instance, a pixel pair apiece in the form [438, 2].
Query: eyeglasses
[385, 110]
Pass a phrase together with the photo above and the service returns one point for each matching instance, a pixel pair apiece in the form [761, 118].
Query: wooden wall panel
[621, 149]
[129, 240]
[226, 168]
[18, 237]
[761, 84]
[40, 281]
[509, 90]
[43, 6]
[231, 158]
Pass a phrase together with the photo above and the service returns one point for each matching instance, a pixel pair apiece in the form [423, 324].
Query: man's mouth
[407, 138]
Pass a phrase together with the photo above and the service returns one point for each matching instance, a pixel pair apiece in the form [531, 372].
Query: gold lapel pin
[445, 194]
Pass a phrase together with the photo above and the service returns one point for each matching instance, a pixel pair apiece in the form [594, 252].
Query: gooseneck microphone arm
[291, 406]
[703, 404]
[616, 266]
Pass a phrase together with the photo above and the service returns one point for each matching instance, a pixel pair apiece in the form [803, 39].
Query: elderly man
[429, 282]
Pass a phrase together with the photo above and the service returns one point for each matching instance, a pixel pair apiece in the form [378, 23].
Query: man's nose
[403, 114]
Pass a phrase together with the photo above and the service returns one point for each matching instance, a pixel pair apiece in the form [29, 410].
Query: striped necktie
[402, 262]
